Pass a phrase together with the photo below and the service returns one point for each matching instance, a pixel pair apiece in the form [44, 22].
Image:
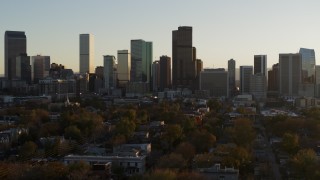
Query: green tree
[306, 165]
[242, 133]
[125, 127]
[290, 143]
[173, 134]
[73, 132]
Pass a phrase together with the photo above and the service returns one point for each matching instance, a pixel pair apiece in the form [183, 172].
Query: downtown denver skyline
[221, 30]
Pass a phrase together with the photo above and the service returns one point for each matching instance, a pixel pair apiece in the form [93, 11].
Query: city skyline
[223, 30]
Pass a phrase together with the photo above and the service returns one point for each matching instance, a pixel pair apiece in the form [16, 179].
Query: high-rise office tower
[260, 64]
[245, 74]
[199, 66]
[15, 43]
[40, 67]
[184, 66]
[99, 71]
[124, 67]
[317, 88]
[258, 86]
[216, 81]
[165, 72]
[232, 76]
[289, 74]
[109, 71]
[23, 68]
[156, 76]
[141, 60]
[308, 61]
[86, 53]
[273, 78]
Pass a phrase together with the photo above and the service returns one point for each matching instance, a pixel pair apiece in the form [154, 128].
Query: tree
[118, 140]
[172, 161]
[306, 165]
[161, 175]
[173, 133]
[214, 105]
[73, 132]
[78, 170]
[242, 133]
[125, 127]
[28, 150]
[186, 150]
[290, 143]
[205, 160]
[202, 140]
[190, 176]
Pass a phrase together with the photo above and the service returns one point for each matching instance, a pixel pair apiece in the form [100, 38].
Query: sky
[222, 30]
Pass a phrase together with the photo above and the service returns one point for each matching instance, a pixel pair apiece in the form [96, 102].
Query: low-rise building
[217, 173]
[131, 164]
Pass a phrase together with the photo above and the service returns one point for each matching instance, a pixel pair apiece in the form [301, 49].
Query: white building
[124, 66]
[131, 164]
[86, 53]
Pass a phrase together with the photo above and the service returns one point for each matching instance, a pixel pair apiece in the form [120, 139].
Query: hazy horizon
[221, 30]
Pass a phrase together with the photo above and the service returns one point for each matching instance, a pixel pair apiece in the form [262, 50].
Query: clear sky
[222, 29]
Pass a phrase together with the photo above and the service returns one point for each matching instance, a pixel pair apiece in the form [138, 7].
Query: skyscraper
[308, 61]
[216, 81]
[184, 66]
[109, 74]
[86, 51]
[232, 76]
[155, 76]
[289, 74]
[260, 64]
[273, 78]
[15, 43]
[165, 72]
[124, 67]
[317, 85]
[141, 60]
[23, 68]
[245, 74]
[258, 86]
[40, 67]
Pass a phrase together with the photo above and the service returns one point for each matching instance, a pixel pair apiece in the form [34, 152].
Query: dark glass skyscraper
[245, 74]
[260, 64]
[184, 65]
[15, 43]
[308, 62]
[232, 76]
[165, 72]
